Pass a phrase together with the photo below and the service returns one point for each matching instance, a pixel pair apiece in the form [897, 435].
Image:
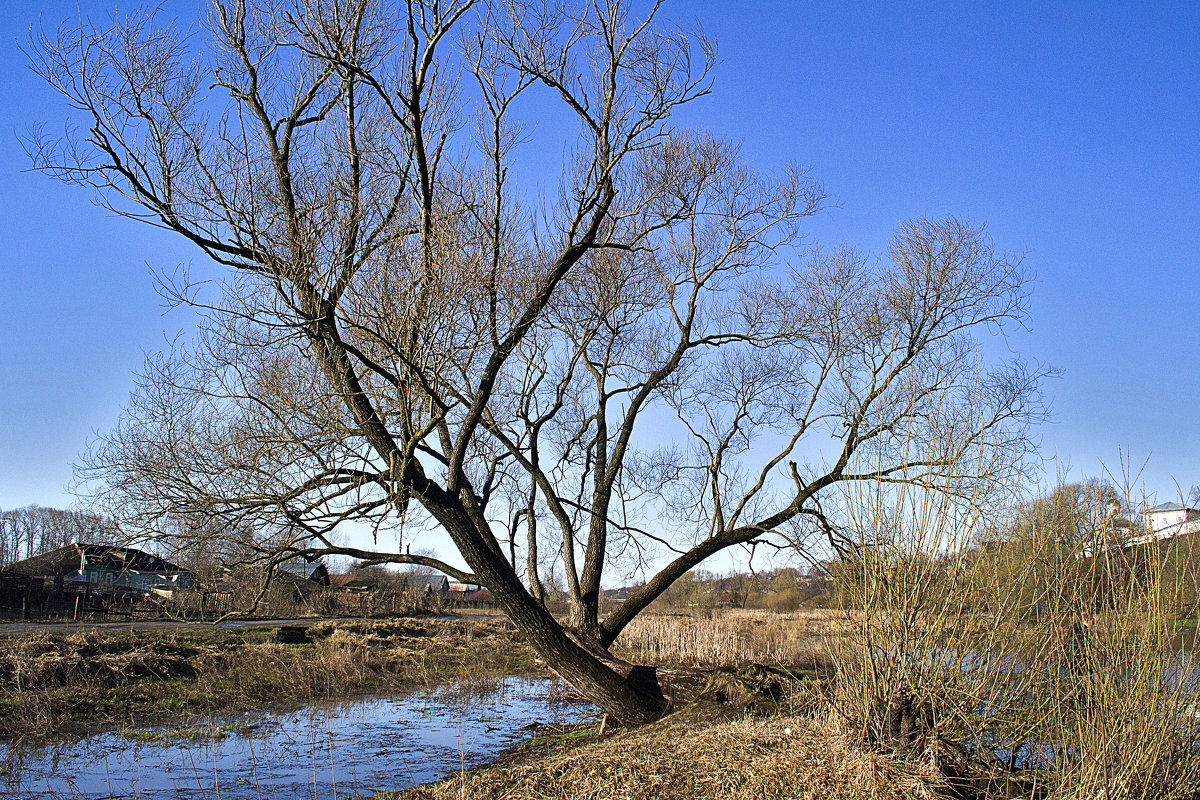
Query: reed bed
[730, 638]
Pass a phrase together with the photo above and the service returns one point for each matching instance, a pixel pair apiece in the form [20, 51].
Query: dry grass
[732, 638]
[53, 685]
[699, 752]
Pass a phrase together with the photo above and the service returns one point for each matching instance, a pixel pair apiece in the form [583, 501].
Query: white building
[1168, 520]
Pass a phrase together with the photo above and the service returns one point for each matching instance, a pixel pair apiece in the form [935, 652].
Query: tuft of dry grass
[699, 752]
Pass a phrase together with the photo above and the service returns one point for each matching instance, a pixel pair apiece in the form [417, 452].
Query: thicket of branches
[1027, 649]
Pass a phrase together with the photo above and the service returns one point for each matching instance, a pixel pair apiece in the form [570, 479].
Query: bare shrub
[987, 644]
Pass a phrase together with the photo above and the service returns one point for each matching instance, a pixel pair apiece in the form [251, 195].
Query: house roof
[320, 574]
[479, 596]
[350, 581]
[436, 583]
[1169, 507]
[285, 578]
[75, 557]
[338, 580]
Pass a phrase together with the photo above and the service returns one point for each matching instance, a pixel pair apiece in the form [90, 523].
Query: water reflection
[356, 747]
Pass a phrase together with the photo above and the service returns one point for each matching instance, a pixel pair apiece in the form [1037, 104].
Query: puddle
[320, 751]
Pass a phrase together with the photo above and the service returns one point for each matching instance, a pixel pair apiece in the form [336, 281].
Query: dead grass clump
[697, 755]
[41, 660]
[274, 671]
[817, 622]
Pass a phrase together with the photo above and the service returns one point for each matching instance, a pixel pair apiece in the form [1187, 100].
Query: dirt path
[172, 624]
[153, 625]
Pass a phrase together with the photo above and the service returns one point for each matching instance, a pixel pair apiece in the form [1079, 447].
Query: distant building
[1116, 532]
[350, 583]
[1168, 521]
[105, 565]
[427, 584]
[619, 595]
[300, 589]
[478, 598]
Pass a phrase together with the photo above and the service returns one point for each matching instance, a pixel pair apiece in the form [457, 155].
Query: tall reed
[724, 639]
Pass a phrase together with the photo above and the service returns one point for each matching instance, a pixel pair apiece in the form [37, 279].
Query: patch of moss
[188, 734]
[561, 737]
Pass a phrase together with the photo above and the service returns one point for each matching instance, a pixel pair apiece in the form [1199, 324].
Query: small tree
[616, 372]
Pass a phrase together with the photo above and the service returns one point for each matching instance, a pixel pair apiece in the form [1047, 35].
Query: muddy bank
[56, 685]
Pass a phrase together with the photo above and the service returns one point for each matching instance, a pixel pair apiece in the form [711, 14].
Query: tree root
[908, 728]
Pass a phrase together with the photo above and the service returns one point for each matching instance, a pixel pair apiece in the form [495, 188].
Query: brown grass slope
[705, 752]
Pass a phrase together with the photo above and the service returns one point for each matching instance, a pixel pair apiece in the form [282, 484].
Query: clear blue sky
[1072, 130]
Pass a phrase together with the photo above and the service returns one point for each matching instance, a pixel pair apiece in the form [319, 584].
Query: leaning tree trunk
[629, 695]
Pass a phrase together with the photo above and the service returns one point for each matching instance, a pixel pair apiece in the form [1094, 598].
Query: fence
[47, 598]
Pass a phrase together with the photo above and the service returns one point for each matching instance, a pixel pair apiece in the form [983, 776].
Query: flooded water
[322, 751]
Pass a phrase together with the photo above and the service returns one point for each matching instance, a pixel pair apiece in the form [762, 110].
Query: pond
[319, 751]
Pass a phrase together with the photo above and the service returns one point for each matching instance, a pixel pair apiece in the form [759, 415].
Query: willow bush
[1012, 649]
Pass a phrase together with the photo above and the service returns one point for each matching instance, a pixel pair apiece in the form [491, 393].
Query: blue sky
[1071, 130]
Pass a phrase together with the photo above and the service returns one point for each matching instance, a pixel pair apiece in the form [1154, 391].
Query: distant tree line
[780, 589]
[29, 531]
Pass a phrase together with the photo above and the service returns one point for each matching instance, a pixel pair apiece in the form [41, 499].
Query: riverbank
[703, 751]
[57, 682]
[56, 685]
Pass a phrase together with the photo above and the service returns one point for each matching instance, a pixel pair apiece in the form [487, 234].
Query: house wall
[1158, 520]
[1162, 519]
[105, 576]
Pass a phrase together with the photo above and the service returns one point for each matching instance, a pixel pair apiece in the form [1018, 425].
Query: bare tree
[622, 369]
[33, 529]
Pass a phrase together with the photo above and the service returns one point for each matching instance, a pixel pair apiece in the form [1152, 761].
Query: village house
[105, 566]
[1163, 522]
[426, 584]
[468, 594]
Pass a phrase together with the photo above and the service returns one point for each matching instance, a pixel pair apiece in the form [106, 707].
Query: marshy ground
[759, 705]
[56, 685]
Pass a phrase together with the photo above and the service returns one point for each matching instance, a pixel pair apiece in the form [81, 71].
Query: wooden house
[106, 566]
